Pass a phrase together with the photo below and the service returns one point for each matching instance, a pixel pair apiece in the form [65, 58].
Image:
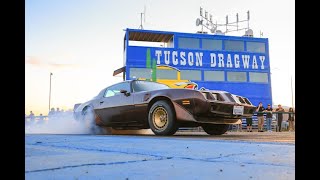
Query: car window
[110, 92]
[115, 89]
[139, 86]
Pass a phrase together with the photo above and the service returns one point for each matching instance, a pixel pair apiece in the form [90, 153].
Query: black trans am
[138, 104]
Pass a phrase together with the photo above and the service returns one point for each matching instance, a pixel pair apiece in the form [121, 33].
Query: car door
[115, 107]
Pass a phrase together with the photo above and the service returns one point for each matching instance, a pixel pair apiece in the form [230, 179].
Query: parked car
[138, 104]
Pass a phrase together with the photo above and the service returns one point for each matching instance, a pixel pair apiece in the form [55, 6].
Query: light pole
[50, 91]
[291, 92]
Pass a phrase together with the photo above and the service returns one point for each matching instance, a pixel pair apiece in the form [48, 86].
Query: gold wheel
[160, 118]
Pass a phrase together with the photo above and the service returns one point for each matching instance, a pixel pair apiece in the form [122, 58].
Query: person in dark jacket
[279, 111]
[249, 124]
[260, 117]
[291, 119]
[269, 117]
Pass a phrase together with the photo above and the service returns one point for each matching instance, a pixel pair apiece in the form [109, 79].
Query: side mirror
[125, 92]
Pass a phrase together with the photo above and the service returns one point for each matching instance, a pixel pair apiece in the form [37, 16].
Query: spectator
[249, 124]
[31, 116]
[58, 112]
[51, 113]
[291, 119]
[269, 117]
[280, 116]
[240, 126]
[260, 117]
[41, 118]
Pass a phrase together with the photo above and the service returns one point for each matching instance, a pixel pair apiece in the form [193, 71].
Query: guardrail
[274, 113]
[236, 127]
[36, 118]
[46, 118]
[274, 122]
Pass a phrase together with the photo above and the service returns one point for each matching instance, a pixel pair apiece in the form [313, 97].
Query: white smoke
[64, 123]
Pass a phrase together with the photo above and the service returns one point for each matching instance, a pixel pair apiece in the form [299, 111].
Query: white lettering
[229, 63]
[236, 61]
[183, 60]
[254, 63]
[245, 61]
[158, 54]
[166, 57]
[262, 58]
[221, 62]
[199, 59]
[174, 58]
[190, 59]
[213, 60]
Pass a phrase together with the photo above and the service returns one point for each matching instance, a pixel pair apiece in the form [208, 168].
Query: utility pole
[291, 92]
[141, 21]
[50, 91]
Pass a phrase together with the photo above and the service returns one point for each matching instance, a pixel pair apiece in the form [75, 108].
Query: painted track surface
[152, 157]
[281, 137]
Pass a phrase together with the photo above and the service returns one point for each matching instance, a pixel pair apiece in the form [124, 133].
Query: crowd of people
[267, 113]
[265, 117]
[53, 113]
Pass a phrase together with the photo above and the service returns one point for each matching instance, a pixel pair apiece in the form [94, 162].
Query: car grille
[222, 108]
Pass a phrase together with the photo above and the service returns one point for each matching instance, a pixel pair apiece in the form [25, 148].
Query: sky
[81, 42]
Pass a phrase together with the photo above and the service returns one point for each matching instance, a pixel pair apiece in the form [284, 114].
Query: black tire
[161, 118]
[89, 117]
[215, 129]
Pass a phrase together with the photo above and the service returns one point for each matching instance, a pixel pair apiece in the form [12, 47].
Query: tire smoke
[65, 123]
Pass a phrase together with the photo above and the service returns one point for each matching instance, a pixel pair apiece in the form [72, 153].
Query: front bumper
[214, 112]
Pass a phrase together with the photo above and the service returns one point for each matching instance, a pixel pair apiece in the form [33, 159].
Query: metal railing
[274, 122]
[36, 118]
[234, 127]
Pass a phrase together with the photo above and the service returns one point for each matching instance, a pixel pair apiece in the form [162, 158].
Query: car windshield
[98, 95]
[147, 86]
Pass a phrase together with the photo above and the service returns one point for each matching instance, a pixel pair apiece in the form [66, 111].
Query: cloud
[33, 60]
[44, 63]
[59, 66]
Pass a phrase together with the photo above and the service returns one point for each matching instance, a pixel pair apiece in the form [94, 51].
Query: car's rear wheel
[89, 120]
[215, 129]
[162, 119]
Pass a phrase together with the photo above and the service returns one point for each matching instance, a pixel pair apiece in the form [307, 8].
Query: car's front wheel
[215, 129]
[162, 119]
